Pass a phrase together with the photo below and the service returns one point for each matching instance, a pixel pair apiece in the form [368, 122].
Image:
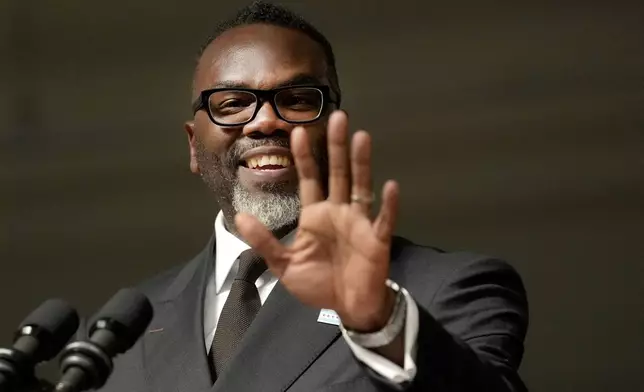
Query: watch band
[390, 331]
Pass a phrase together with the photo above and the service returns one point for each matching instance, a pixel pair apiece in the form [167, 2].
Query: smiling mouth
[267, 162]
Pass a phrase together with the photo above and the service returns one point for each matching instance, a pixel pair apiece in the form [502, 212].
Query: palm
[340, 256]
[333, 250]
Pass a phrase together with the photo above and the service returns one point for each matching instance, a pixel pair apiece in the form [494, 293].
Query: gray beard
[276, 206]
[273, 210]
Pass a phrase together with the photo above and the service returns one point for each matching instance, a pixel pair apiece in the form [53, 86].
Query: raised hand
[339, 258]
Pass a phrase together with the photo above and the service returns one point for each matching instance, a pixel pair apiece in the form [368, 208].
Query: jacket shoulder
[426, 268]
[156, 286]
[405, 251]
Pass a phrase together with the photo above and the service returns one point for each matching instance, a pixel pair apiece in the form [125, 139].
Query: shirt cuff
[381, 365]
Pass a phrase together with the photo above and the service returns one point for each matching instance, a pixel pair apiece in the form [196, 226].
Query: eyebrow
[297, 80]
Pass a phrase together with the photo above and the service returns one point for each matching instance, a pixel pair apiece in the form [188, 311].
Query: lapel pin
[328, 316]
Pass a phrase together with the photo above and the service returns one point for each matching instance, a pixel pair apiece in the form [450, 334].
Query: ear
[189, 127]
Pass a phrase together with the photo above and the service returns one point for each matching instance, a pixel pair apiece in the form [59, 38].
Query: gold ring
[363, 200]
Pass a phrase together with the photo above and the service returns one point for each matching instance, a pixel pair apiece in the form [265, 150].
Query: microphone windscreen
[53, 324]
[131, 311]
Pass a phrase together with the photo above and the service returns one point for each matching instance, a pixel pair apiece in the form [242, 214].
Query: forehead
[259, 56]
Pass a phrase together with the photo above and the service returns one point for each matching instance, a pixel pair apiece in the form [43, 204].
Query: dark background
[514, 131]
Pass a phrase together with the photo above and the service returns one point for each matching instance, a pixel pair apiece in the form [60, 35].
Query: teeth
[265, 160]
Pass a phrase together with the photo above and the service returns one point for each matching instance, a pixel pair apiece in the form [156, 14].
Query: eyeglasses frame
[262, 96]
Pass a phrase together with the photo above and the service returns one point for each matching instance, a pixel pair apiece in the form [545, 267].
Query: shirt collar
[229, 247]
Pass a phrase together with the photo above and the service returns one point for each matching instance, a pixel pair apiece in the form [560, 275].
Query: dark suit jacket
[473, 320]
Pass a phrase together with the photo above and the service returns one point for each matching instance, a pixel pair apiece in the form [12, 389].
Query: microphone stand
[17, 374]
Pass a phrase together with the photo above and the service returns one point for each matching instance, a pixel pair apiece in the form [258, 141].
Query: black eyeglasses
[239, 106]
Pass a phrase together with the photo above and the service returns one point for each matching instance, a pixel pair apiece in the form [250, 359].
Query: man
[344, 305]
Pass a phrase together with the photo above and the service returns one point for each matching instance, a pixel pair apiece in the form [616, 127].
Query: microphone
[119, 324]
[40, 337]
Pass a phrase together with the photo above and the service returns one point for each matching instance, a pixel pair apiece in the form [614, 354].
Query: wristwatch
[390, 331]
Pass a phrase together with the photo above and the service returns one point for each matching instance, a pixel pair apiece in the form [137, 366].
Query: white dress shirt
[228, 250]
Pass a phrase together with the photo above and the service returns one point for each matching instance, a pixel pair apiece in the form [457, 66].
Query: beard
[276, 205]
[274, 210]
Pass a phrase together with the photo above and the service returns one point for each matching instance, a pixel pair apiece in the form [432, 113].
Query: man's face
[234, 161]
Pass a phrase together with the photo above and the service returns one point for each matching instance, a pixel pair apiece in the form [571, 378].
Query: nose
[267, 122]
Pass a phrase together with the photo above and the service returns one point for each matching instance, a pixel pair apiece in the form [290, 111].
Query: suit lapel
[174, 349]
[283, 341]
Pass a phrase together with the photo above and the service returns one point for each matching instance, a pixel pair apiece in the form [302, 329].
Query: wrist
[388, 332]
[375, 321]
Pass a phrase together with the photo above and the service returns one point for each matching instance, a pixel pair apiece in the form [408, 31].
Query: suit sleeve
[470, 335]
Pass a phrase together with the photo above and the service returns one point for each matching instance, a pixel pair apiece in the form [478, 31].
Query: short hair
[261, 12]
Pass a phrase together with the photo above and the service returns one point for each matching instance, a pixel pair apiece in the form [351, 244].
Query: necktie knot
[251, 266]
